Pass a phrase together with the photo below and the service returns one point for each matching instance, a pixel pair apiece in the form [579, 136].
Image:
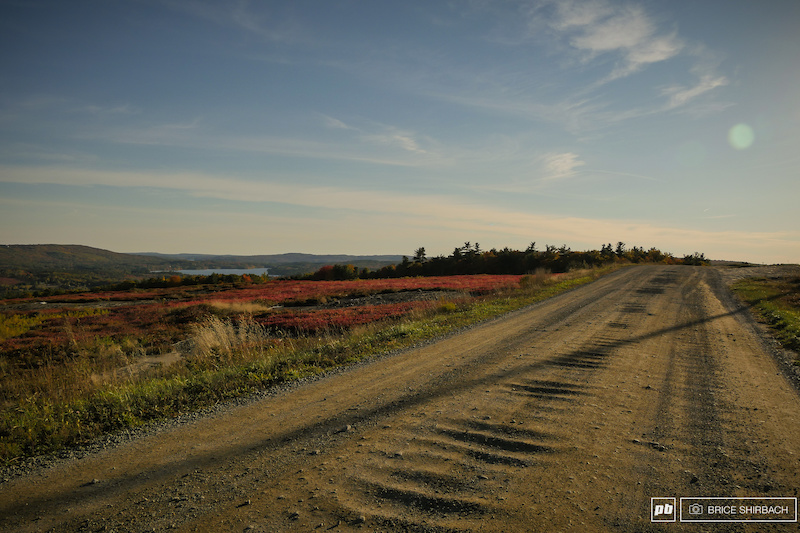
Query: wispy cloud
[44, 154]
[265, 144]
[597, 27]
[558, 166]
[368, 142]
[679, 95]
[335, 123]
[260, 18]
[628, 33]
[622, 174]
[587, 45]
[104, 110]
[600, 41]
[397, 139]
[50, 108]
[382, 135]
[266, 24]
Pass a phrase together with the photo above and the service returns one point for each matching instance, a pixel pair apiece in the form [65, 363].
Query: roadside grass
[775, 302]
[224, 357]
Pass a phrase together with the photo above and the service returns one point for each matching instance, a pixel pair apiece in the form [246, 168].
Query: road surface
[568, 415]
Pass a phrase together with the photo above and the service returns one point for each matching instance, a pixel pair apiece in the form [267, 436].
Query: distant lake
[237, 271]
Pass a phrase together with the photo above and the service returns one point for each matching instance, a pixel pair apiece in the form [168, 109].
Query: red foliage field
[161, 316]
[342, 318]
[281, 291]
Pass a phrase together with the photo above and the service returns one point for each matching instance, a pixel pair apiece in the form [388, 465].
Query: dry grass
[539, 278]
[66, 379]
[238, 308]
[228, 339]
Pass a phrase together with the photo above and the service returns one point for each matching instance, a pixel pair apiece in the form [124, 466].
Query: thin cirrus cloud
[384, 136]
[596, 28]
[397, 140]
[392, 208]
[596, 32]
[265, 23]
[680, 95]
[385, 145]
[335, 123]
[558, 166]
[599, 42]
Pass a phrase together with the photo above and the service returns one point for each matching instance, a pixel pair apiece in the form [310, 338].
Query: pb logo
[662, 510]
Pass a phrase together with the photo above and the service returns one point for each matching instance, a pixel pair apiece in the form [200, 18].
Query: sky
[378, 127]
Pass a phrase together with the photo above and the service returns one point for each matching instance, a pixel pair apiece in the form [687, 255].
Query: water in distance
[236, 271]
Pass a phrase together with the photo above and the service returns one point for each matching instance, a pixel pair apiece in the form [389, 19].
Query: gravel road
[568, 415]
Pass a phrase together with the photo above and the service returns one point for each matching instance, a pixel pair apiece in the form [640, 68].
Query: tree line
[471, 259]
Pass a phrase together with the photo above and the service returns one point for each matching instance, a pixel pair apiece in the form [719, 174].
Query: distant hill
[46, 257]
[32, 268]
[37, 267]
[57, 257]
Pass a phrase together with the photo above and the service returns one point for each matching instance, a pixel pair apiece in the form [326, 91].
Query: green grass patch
[237, 358]
[14, 325]
[775, 302]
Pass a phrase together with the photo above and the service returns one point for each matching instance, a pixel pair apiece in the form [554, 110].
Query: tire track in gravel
[568, 415]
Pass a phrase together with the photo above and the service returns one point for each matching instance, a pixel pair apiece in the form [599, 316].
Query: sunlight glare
[741, 136]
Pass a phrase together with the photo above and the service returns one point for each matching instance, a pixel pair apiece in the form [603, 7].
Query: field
[75, 366]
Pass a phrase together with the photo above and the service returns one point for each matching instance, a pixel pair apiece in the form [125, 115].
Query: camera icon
[695, 508]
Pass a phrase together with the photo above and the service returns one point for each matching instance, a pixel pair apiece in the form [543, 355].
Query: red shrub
[338, 319]
[279, 291]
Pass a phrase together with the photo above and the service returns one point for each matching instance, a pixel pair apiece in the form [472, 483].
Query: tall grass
[227, 338]
[65, 404]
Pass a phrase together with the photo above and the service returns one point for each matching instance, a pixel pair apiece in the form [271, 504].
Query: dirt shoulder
[568, 415]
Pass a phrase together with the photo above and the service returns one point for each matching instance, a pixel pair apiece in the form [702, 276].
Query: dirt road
[565, 416]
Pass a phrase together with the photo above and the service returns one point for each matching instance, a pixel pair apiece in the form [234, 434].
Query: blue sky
[367, 127]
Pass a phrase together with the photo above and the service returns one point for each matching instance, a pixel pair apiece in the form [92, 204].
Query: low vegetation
[776, 302]
[82, 367]
[75, 365]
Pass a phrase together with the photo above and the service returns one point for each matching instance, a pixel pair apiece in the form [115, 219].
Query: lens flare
[741, 136]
